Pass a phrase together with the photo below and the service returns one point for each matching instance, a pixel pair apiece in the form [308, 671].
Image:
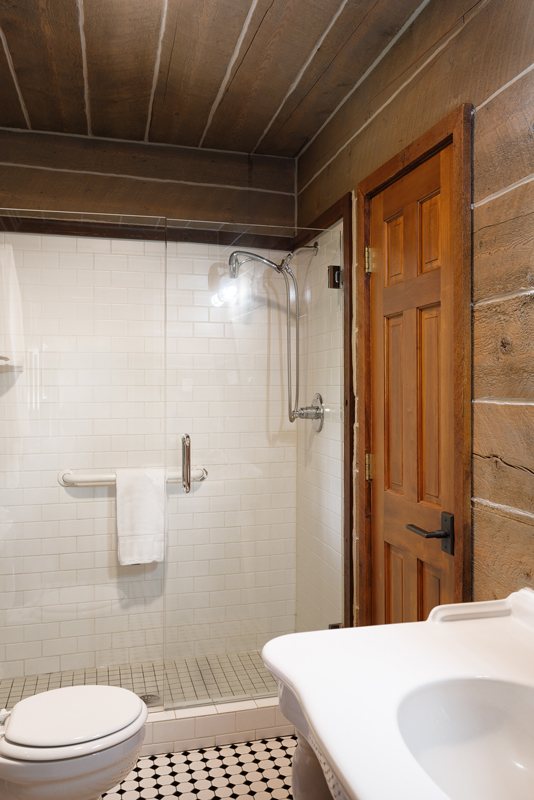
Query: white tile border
[206, 726]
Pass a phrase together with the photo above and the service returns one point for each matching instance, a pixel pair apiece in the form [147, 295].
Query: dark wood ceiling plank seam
[143, 178]
[83, 46]
[367, 72]
[504, 87]
[140, 141]
[156, 68]
[228, 74]
[15, 79]
[302, 70]
[456, 31]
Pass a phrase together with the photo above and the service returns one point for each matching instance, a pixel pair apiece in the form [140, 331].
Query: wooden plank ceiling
[254, 76]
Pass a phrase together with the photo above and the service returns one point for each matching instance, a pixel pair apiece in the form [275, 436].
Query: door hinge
[368, 260]
[368, 467]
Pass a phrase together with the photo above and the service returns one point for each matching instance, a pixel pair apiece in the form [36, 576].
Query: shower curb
[211, 725]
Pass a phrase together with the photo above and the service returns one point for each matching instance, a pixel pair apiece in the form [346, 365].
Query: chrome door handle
[446, 534]
[186, 462]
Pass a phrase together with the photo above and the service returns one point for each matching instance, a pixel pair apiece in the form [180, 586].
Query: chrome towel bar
[68, 477]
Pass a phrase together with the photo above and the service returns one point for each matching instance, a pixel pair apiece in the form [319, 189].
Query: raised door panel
[429, 404]
[430, 233]
[394, 455]
[394, 250]
[428, 589]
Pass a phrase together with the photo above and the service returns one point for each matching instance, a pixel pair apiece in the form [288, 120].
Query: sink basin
[474, 737]
[435, 710]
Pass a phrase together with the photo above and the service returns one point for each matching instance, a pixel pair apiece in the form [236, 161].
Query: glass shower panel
[320, 456]
[231, 580]
[83, 390]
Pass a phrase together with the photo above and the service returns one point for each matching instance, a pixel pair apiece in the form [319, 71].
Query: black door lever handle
[446, 534]
[427, 534]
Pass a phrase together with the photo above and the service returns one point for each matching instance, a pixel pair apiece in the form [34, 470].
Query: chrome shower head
[234, 263]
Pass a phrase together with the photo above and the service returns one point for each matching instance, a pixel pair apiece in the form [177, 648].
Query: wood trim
[156, 232]
[342, 209]
[456, 127]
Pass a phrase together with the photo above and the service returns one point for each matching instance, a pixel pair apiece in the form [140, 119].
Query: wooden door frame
[342, 210]
[454, 129]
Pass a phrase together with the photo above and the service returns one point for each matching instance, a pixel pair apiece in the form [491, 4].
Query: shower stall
[119, 336]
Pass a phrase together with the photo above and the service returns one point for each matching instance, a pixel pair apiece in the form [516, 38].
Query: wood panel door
[412, 390]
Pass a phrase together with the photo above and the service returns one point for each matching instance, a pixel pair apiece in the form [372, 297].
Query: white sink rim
[371, 670]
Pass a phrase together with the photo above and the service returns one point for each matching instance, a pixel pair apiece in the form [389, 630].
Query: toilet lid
[72, 715]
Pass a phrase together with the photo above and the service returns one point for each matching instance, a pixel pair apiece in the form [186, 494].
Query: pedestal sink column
[308, 781]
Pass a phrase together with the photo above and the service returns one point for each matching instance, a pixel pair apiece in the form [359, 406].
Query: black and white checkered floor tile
[252, 771]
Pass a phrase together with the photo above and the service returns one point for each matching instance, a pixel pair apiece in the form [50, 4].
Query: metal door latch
[446, 534]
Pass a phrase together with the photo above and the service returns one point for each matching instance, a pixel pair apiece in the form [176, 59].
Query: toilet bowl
[73, 743]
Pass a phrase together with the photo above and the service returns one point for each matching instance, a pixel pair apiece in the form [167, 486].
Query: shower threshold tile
[180, 683]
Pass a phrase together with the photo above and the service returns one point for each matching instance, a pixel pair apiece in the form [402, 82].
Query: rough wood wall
[67, 173]
[483, 53]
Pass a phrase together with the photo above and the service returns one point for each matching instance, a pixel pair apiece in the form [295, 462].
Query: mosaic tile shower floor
[251, 771]
[185, 681]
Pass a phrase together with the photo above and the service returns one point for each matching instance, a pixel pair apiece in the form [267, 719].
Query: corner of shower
[123, 336]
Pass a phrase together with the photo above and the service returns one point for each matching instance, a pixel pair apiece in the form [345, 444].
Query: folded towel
[11, 325]
[141, 499]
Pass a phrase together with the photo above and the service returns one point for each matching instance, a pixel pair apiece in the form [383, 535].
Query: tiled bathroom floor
[187, 681]
[252, 771]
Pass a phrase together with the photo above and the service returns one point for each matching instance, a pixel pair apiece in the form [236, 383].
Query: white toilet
[70, 744]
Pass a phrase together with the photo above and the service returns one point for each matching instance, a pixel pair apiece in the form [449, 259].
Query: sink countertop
[350, 682]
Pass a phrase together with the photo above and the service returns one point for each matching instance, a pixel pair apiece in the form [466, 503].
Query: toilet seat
[71, 722]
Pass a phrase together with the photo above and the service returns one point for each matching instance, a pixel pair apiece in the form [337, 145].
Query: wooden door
[412, 390]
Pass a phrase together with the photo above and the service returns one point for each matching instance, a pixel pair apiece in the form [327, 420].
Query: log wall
[69, 173]
[481, 53]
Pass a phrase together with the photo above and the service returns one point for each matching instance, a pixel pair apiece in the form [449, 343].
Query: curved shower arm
[292, 407]
[283, 269]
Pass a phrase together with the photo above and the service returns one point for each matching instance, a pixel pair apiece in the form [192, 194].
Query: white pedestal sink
[435, 710]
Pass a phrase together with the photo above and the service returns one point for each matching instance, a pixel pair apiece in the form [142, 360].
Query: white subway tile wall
[320, 455]
[103, 388]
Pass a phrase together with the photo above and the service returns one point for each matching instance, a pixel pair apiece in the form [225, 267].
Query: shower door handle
[186, 462]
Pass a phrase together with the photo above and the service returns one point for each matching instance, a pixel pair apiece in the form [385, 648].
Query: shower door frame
[342, 211]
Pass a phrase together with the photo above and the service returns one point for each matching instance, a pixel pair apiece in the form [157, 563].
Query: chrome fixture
[284, 269]
[315, 412]
[66, 477]
[186, 462]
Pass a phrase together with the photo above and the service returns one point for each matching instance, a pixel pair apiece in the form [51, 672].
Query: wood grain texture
[504, 135]
[282, 35]
[199, 40]
[503, 244]
[150, 161]
[503, 438]
[67, 191]
[503, 346]
[11, 114]
[362, 31]
[490, 48]
[502, 483]
[503, 555]
[44, 42]
[122, 41]
[456, 127]
[413, 48]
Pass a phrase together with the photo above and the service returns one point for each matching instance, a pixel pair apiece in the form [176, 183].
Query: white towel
[12, 345]
[141, 500]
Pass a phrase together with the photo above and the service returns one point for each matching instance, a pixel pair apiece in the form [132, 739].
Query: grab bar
[69, 478]
[186, 462]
